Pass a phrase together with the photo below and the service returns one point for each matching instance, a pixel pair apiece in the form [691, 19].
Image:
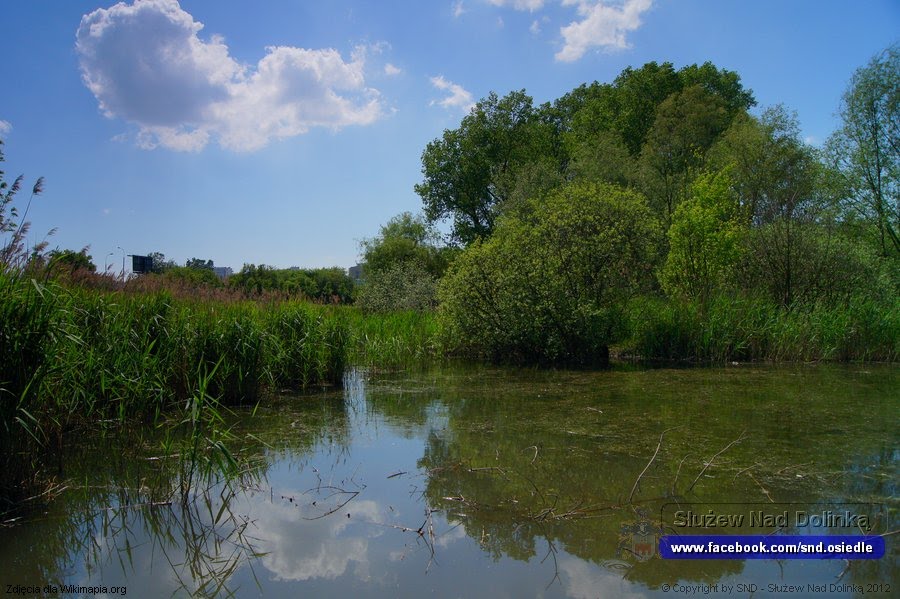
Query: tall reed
[738, 328]
[70, 357]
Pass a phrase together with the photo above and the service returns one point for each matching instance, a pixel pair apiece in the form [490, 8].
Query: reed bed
[393, 340]
[73, 356]
[751, 329]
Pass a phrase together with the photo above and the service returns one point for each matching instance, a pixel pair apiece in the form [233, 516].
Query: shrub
[549, 286]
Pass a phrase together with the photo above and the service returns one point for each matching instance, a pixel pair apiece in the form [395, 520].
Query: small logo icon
[639, 539]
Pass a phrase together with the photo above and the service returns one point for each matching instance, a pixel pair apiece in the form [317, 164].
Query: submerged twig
[644, 471]
[713, 459]
[764, 490]
[678, 472]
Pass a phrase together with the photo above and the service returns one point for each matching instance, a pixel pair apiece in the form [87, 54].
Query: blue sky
[283, 132]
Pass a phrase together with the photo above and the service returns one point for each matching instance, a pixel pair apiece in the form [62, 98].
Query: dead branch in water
[678, 472]
[647, 467]
[336, 491]
[713, 459]
[759, 484]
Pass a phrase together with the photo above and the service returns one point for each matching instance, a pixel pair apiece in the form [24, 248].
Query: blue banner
[771, 547]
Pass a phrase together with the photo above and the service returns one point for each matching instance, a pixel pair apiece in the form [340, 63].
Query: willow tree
[867, 146]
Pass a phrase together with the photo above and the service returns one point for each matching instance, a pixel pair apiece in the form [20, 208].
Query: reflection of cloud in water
[299, 549]
[453, 534]
[583, 580]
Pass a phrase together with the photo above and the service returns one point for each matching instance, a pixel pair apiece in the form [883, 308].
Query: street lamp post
[106, 262]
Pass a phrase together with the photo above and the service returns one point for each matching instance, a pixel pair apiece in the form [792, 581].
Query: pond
[490, 482]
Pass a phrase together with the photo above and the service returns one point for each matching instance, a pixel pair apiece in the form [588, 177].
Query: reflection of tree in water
[543, 463]
[873, 478]
[119, 501]
[522, 508]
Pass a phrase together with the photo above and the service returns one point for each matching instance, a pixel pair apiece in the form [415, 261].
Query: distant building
[355, 273]
[223, 272]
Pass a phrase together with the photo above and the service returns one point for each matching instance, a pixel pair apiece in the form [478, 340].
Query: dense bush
[548, 286]
[400, 286]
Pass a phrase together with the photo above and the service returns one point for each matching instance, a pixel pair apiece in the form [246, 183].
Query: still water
[481, 482]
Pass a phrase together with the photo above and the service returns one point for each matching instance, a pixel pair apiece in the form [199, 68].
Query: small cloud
[145, 63]
[105, 211]
[5, 127]
[391, 70]
[811, 140]
[535, 27]
[529, 5]
[458, 96]
[458, 9]
[500, 22]
[602, 26]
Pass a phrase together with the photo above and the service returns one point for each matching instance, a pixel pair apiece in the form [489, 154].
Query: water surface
[481, 482]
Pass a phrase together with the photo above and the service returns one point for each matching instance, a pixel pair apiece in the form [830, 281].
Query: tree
[72, 260]
[782, 188]
[326, 285]
[628, 106]
[722, 83]
[506, 151]
[686, 125]
[187, 275]
[401, 266]
[866, 149]
[470, 172]
[159, 262]
[546, 285]
[639, 94]
[200, 264]
[603, 158]
[705, 240]
[400, 286]
[405, 238]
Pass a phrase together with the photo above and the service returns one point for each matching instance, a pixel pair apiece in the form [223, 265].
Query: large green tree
[866, 148]
[628, 106]
[686, 125]
[507, 151]
[470, 172]
[786, 200]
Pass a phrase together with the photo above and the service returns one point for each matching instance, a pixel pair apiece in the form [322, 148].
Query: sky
[284, 132]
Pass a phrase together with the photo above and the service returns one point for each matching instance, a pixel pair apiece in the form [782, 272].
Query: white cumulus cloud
[5, 127]
[391, 70]
[457, 96]
[145, 63]
[602, 25]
